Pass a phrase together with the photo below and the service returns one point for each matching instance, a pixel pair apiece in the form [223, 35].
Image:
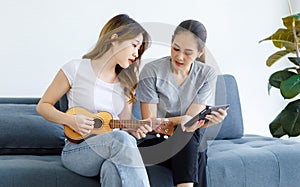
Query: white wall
[38, 37]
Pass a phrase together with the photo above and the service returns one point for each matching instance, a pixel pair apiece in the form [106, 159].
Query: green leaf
[276, 128]
[269, 88]
[290, 47]
[287, 21]
[280, 37]
[287, 121]
[297, 16]
[278, 77]
[294, 105]
[290, 118]
[290, 87]
[276, 56]
[295, 60]
[289, 68]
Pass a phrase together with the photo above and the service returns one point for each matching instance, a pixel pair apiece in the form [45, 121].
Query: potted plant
[286, 80]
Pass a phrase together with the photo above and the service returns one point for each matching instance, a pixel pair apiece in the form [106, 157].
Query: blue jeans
[113, 155]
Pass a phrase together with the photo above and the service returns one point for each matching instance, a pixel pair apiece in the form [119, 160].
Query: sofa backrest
[24, 131]
[227, 93]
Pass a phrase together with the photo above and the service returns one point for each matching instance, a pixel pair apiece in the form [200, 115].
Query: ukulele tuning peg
[158, 135]
[166, 137]
[166, 121]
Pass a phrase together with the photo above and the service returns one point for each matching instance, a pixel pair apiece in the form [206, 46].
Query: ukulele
[105, 123]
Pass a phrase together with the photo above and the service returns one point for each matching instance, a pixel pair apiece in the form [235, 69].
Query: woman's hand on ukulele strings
[143, 130]
[140, 132]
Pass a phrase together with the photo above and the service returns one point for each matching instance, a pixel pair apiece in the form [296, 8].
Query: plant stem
[290, 7]
[294, 30]
[296, 40]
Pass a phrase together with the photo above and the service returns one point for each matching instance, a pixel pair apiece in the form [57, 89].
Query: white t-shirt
[90, 92]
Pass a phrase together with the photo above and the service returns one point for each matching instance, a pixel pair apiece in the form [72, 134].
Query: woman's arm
[126, 112]
[149, 111]
[59, 86]
[54, 92]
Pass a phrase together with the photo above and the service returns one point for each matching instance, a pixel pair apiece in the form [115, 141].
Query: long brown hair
[126, 28]
[199, 32]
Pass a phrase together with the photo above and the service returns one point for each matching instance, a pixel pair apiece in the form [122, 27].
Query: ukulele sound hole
[98, 123]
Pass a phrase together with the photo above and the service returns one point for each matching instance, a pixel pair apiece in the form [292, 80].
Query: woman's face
[184, 51]
[126, 52]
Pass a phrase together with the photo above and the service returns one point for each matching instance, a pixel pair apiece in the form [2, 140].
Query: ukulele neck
[132, 124]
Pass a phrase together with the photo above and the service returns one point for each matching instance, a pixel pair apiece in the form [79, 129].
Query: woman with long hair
[105, 79]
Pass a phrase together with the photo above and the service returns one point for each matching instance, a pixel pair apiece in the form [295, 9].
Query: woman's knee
[109, 175]
[108, 168]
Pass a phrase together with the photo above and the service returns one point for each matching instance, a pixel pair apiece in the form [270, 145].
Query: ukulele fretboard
[127, 123]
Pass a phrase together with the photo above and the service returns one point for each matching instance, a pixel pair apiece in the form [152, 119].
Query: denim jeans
[113, 155]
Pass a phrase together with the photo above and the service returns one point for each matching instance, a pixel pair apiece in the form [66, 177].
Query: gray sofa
[30, 150]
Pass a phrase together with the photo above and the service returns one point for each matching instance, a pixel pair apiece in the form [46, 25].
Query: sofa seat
[44, 171]
[253, 161]
[48, 171]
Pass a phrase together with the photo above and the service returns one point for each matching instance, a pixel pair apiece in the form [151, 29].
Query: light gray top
[157, 85]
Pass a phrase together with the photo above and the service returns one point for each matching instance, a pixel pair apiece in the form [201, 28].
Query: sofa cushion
[23, 131]
[48, 171]
[40, 171]
[253, 160]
